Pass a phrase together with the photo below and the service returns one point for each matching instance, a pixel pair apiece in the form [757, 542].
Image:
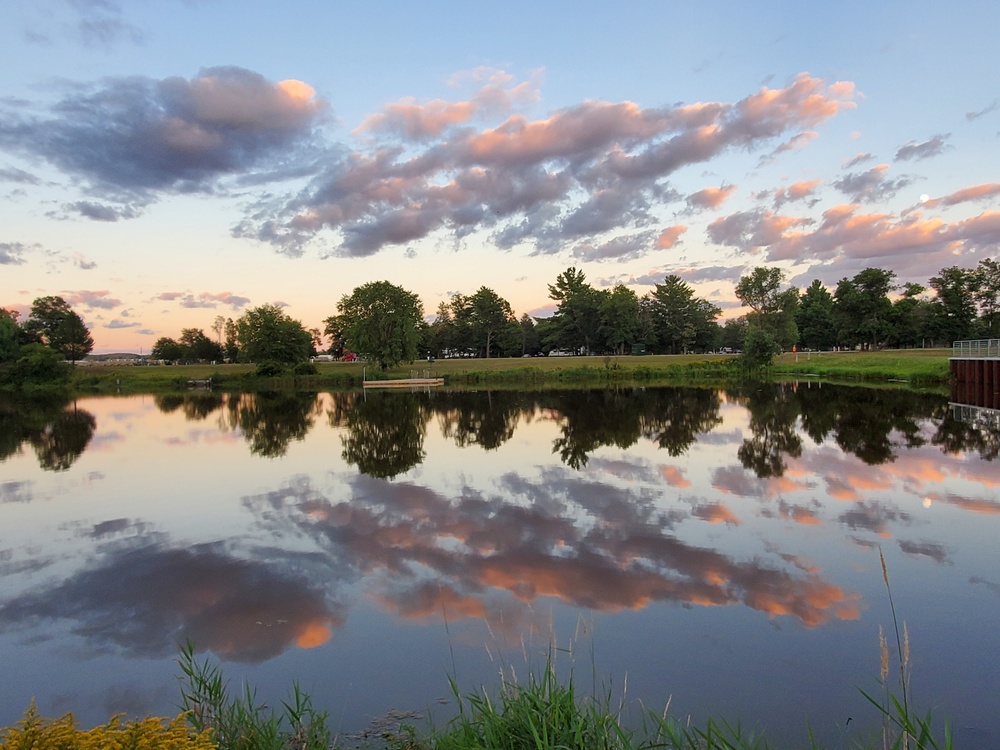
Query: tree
[167, 349]
[9, 335]
[55, 324]
[681, 320]
[490, 316]
[862, 308]
[334, 328]
[955, 306]
[814, 317]
[773, 309]
[576, 321]
[911, 317]
[531, 342]
[619, 316]
[381, 322]
[218, 326]
[232, 346]
[266, 334]
[198, 346]
[988, 297]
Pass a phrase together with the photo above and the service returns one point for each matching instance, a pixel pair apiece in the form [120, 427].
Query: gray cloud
[622, 248]
[872, 185]
[116, 323]
[588, 169]
[100, 211]
[18, 176]
[991, 107]
[924, 150]
[11, 253]
[128, 140]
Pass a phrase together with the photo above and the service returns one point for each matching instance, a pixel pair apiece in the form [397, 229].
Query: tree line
[384, 323]
[33, 351]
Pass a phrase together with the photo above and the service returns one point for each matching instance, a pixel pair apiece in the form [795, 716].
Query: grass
[914, 366]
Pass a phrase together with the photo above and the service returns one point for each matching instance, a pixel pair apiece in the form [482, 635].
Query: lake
[717, 549]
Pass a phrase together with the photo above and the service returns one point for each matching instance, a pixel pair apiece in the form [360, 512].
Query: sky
[165, 162]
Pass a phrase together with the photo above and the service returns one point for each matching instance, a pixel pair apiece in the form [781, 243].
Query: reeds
[902, 729]
[240, 722]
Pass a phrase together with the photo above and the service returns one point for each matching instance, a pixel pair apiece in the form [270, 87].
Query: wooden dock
[404, 383]
[975, 372]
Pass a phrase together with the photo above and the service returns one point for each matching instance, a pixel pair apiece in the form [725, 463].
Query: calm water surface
[715, 548]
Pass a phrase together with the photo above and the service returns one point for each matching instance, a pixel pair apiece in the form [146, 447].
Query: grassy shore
[919, 367]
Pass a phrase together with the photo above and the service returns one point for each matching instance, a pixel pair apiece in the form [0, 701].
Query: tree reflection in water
[385, 433]
[58, 431]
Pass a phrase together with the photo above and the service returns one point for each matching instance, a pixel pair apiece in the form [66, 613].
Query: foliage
[863, 311]
[266, 333]
[490, 315]
[54, 323]
[10, 345]
[35, 733]
[773, 309]
[575, 324]
[37, 365]
[814, 318]
[240, 722]
[381, 322]
[759, 349]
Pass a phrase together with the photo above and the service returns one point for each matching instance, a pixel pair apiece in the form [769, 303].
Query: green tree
[334, 328]
[232, 345]
[167, 349]
[531, 341]
[772, 308]
[619, 316]
[9, 337]
[381, 322]
[198, 346]
[988, 297]
[955, 305]
[577, 319]
[491, 315]
[814, 317]
[911, 317]
[862, 309]
[54, 323]
[266, 334]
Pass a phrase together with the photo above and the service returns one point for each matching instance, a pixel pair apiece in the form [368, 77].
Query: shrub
[269, 369]
[62, 734]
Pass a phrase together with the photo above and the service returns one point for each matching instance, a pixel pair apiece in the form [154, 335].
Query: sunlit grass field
[916, 366]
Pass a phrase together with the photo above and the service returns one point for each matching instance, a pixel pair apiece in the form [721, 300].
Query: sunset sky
[163, 162]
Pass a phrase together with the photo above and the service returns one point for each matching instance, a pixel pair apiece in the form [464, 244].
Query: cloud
[752, 230]
[584, 170]
[991, 107]
[925, 150]
[92, 299]
[973, 193]
[625, 247]
[858, 159]
[129, 140]
[12, 253]
[797, 191]
[670, 236]
[414, 121]
[204, 299]
[81, 262]
[933, 550]
[18, 176]
[116, 323]
[100, 211]
[872, 185]
[710, 197]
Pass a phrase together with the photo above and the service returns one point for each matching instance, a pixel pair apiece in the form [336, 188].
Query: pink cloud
[710, 197]
[669, 236]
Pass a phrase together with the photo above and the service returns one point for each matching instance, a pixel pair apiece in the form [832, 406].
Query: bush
[62, 734]
[305, 368]
[269, 369]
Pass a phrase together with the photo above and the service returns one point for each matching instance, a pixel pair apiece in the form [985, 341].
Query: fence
[976, 349]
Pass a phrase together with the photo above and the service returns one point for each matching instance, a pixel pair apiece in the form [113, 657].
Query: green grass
[913, 366]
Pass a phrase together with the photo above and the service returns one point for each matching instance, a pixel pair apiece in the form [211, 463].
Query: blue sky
[163, 162]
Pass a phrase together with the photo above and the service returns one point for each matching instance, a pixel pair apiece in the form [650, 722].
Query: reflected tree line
[384, 432]
[56, 430]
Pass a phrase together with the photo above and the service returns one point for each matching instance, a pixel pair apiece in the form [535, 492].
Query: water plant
[240, 722]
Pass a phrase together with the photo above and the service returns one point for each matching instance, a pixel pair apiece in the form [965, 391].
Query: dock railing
[976, 349]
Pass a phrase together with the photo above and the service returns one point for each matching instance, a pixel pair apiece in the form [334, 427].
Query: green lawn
[917, 366]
